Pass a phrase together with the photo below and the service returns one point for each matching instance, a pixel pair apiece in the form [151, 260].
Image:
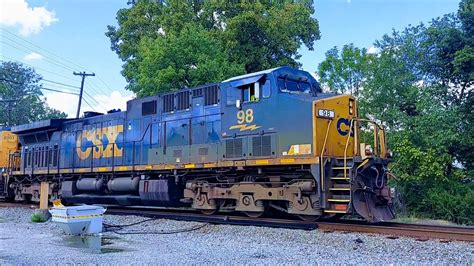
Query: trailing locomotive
[266, 140]
[8, 145]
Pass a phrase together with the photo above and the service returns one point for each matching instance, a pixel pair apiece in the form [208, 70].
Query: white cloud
[373, 50]
[67, 103]
[33, 56]
[113, 101]
[30, 19]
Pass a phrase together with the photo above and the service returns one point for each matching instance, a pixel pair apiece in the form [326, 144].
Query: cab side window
[251, 92]
[266, 88]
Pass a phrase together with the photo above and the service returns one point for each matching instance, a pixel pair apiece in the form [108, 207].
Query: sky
[58, 37]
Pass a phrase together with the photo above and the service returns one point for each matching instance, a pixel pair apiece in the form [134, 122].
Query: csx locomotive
[266, 140]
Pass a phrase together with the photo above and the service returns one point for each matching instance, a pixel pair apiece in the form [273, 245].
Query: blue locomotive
[266, 140]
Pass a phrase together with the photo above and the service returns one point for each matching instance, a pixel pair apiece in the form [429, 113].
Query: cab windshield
[294, 86]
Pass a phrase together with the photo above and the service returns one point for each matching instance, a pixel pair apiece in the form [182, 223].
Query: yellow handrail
[321, 164]
[326, 138]
[345, 148]
[378, 136]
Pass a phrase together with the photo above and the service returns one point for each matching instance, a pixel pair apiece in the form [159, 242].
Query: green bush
[37, 218]
[428, 187]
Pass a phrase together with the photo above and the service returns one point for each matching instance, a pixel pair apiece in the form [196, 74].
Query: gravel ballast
[24, 242]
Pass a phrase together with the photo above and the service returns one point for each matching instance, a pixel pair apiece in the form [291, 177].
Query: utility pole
[84, 75]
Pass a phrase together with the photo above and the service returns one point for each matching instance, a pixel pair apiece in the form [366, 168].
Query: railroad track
[213, 219]
[418, 231]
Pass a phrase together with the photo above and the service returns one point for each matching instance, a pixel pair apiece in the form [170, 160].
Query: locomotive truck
[265, 140]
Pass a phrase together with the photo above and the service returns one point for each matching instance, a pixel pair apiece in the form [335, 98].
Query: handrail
[321, 155]
[326, 137]
[347, 145]
[377, 136]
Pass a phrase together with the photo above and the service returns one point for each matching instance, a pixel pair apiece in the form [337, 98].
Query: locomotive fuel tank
[123, 184]
[90, 184]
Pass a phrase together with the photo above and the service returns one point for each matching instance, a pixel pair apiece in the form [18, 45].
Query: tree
[20, 96]
[344, 72]
[246, 36]
[189, 58]
[420, 86]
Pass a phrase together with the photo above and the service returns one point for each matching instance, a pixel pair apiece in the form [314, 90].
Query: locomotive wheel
[309, 218]
[209, 212]
[254, 214]
[334, 216]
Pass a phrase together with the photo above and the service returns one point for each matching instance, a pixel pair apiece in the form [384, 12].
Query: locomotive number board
[325, 113]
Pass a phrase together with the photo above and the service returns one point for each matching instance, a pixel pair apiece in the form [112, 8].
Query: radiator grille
[203, 151]
[233, 148]
[261, 146]
[149, 108]
[168, 103]
[183, 100]
[211, 95]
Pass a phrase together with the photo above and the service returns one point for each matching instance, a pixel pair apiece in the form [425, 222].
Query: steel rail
[418, 231]
[213, 219]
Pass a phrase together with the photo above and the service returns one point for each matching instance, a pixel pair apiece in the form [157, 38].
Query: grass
[415, 220]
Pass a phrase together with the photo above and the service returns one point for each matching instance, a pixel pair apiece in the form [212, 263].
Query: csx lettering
[102, 143]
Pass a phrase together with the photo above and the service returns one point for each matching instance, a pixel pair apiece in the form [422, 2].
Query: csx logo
[100, 142]
[343, 127]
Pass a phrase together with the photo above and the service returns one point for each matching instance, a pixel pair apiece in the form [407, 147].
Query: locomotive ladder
[339, 196]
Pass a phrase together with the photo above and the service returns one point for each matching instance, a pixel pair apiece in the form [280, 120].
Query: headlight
[368, 150]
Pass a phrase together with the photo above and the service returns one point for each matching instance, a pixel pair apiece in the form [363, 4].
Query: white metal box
[79, 220]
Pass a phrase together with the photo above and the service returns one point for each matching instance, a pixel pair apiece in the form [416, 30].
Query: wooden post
[44, 195]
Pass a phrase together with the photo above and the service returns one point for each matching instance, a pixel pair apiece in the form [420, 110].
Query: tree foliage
[170, 44]
[420, 85]
[20, 96]
[343, 72]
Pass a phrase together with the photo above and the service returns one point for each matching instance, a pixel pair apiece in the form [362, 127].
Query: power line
[91, 98]
[43, 49]
[99, 88]
[66, 92]
[53, 55]
[103, 82]
[90, 105]
[29, 50]
[59, 83]
[93, 85]
[42, 69]
[99, 103]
